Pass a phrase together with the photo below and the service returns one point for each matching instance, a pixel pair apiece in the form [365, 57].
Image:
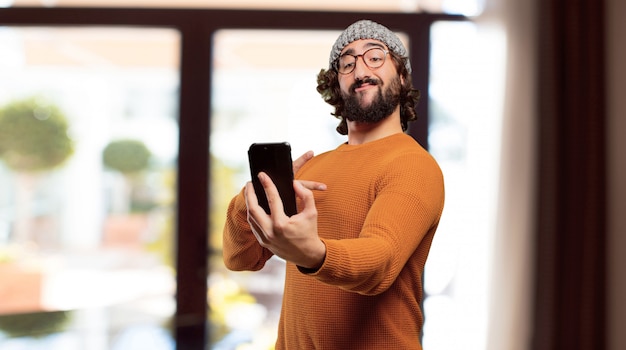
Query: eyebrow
[368, 45]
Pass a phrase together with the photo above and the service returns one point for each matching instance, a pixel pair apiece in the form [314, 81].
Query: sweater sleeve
[240, 250]
[397, 231]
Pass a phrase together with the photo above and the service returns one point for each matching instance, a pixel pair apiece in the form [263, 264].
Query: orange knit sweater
[377, 219]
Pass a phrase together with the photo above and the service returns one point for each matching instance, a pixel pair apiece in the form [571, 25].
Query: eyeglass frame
[356, 58]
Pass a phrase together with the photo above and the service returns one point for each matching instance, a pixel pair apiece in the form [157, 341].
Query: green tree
[126, 156]
[33, 139]
[35, 324]
[33, 136]
[130, 158]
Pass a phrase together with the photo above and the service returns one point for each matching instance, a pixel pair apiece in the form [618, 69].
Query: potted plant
[130, 158]
[33, 139]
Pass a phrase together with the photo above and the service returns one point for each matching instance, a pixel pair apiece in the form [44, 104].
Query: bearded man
[367, 210]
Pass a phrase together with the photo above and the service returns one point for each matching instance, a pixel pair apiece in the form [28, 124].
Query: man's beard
[383, 104]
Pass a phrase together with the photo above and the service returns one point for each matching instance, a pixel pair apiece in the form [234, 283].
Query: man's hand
[298, 163]
[292, 238]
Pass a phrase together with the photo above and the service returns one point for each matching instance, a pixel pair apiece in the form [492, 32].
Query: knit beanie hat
[366, 29]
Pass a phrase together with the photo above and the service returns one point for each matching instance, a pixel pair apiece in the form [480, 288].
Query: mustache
[357, 84]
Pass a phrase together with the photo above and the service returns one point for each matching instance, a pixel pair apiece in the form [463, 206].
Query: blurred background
[90, 184]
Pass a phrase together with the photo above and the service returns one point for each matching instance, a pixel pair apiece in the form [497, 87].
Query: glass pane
[88, 148]
[261, 93]
[464, 136]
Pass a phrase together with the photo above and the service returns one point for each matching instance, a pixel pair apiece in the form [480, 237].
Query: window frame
[196, 28]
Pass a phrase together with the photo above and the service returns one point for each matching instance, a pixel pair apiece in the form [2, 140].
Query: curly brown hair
[328, 87]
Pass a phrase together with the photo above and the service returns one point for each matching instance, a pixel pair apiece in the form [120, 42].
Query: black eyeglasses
[373, 58]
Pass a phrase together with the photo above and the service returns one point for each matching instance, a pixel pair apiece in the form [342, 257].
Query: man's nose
[361, 70]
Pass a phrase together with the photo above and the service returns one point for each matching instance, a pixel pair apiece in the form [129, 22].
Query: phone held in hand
[274, 159]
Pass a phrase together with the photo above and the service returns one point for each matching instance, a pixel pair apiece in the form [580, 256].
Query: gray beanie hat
[366, 29]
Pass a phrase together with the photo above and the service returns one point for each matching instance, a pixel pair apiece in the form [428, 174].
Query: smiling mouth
[362, 84]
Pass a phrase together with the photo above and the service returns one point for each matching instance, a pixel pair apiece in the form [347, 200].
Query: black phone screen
[274, 159]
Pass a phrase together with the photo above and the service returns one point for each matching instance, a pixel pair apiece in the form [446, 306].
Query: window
[178, 98]
[87, 196]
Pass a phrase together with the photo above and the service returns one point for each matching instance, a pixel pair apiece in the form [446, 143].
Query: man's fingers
[252, 202]
[271, 193]
[298, 163]
[255, 211]
[257, 230]
[251, 199]
[313, 185]
[305, 195]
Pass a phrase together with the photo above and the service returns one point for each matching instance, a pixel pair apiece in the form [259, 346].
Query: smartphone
[274, 159]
